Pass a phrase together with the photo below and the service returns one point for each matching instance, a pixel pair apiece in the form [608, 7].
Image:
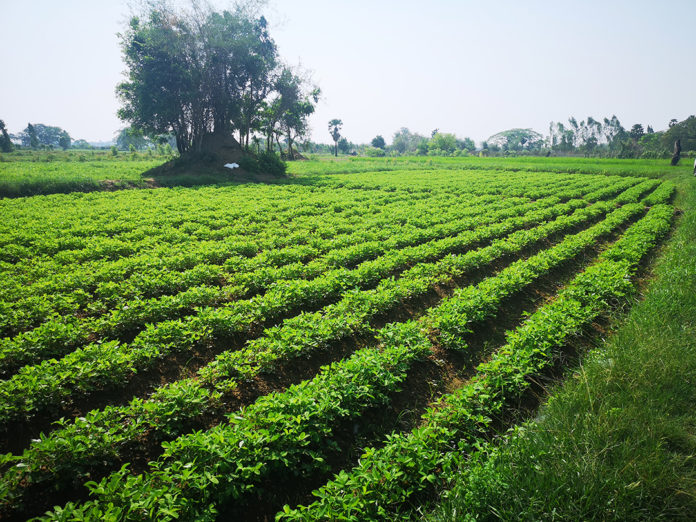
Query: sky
[473, 68]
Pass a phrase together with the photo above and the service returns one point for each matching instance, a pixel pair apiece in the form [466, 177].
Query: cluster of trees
[209, 78]
[608, 137]
[38, 136]
[405, 142]
[133, 140]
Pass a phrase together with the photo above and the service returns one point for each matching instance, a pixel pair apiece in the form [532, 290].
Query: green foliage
[374, 152]
[29, 173]
[606, 443]
[101, 290]
[263, 163]
[406, 142]
[387, 481]
[130, 137]
[516, 140]
[6, 144]
[344, 145]
[378, 142]
[32, 138]
[685, 131]
[335, 132]
[442, 144]
[64, 140]
[44, 136]
[198, 72]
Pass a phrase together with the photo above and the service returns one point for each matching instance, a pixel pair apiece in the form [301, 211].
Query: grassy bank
[31, 173]
[617, 440]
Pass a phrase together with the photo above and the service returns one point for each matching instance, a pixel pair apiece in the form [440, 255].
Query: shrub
[249, 163]
[263, 163]
[374, 152]
[270, 163]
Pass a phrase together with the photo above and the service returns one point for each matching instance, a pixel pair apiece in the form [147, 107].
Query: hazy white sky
[469, 67]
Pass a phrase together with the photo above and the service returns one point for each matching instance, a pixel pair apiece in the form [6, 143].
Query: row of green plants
[181, 258]
[110, 364]
[470, 305]
[662, 194]
[62, 334]
[76, 449]
[280, 431]
[389, 482]
[102, 286]
[94, 215]
[169, 229]
[175, 242]
[79, 284]
[503, 183]
[161, 221]
[200, 471]
[186, 396]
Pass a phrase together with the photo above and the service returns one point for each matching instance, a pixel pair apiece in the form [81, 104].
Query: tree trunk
[280, 149]
[677, 152]
[290, 154]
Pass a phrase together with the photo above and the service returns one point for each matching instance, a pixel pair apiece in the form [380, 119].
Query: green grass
[30, 173]
[617, 440]
[612, 166]
[50, 173]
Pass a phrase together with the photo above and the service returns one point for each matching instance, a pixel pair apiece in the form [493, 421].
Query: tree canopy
[38, 135]
[517, 140]
[378, 142]
[196, 72]
[684, 130]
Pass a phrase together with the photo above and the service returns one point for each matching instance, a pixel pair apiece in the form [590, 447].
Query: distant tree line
[608, 137]
[404, 143]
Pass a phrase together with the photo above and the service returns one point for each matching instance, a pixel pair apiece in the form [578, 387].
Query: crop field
[327, 347]
[46, 173]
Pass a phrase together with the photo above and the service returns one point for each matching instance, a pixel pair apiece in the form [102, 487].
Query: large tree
[518, 139]
[129, 136]
[64, 140]
[378, 142]
[37, 135]
[287, 113]
[196, 73]
[32, 139]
